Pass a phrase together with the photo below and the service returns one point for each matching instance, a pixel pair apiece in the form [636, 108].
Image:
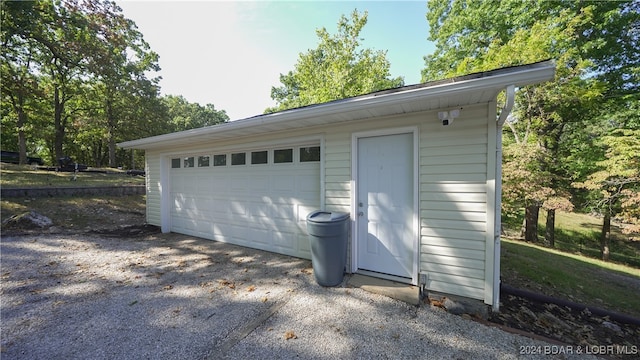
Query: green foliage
[595, 45]
[521, 165]
[615, 187]
[19, 85]
[75, 82]
[602, 32]
[338, 68]
[184, 115]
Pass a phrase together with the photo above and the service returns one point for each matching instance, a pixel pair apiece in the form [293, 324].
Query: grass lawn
[570, 276]
[573, 269]
[580, 234]
[16, 176]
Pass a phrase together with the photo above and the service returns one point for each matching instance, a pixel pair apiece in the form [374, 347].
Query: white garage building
[423, 196]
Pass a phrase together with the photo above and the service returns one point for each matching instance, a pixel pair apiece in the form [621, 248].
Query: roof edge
[528, 74]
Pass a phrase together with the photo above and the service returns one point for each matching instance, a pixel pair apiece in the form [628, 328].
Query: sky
[231, 53]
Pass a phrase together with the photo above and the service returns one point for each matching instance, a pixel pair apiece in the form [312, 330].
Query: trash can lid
[320, 216]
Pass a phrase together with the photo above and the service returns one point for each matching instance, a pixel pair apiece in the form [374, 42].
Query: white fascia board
[519, 77]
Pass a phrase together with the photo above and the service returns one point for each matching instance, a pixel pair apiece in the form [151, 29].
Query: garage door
[257, 198]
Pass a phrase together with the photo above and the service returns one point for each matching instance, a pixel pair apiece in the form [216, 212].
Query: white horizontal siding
[152, 170]
[479, 226]
[458, 215]
[453, 286]
[439, 206]
[453, 209]
[429, 160]
[475, 285]
[439, 151]
[337, 171]
[480, 198]
[458, 270]
[452, 234]
[476, 265]
[442, 243]
[460, 254]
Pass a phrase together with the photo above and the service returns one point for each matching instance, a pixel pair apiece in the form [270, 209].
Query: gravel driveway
[172, 296]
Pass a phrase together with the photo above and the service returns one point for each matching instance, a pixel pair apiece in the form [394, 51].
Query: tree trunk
[18, 107]
[531, 223]
[550, 231]
[605, 237]
[112, 152]
[58, 124]
[22, 138]
[111, 123]
[97, 154]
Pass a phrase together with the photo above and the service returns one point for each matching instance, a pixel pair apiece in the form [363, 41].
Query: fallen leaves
[251, 288]
[437, 302]
[290, 335]
[227, 283]
[205, 284]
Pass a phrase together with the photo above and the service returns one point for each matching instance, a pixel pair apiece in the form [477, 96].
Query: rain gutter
[508, 106]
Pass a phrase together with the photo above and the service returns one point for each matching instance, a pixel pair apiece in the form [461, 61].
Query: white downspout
[510, 90]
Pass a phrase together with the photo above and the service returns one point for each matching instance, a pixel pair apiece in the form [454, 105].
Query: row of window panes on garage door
[280, 156]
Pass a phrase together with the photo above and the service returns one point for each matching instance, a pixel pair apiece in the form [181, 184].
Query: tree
[119, 64]
[605, 33]
[19, 85]
[616, 186]
[479, 35]
[338, 68]
[81, 65]
[184, 115]
[68, 43]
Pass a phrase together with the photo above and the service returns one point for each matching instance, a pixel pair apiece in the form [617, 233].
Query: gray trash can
[328, 236]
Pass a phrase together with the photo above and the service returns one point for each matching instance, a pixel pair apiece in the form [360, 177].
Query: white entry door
[385, 196]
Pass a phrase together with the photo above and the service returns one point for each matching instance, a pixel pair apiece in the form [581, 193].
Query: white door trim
[416, 194]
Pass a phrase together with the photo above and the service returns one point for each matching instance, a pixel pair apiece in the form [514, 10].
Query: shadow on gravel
[172, 296]
[149, 295]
